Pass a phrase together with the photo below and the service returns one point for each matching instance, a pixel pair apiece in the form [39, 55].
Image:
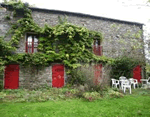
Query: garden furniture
[115, 82]
[145, 82]
[148, 81]
[122, 78]
[126, 84]
[133, 81]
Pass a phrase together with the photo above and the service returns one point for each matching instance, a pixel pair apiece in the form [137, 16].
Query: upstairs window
[31, 43]
[97, 49]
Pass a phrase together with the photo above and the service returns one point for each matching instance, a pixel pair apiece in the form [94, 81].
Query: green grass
[129, 106]
[58, 104]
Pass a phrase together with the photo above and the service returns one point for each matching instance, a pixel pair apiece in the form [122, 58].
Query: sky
[131, 10]
[128, 10]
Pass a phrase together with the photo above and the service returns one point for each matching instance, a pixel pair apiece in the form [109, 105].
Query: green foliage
[123, 66]
[147, 70]
[62, 20]
[90, 96]
[77, 77]
[65, 43]
[1, 84]
[123, 107]
[114, 94]
[5, 52]
[39, 95]
[7, 17]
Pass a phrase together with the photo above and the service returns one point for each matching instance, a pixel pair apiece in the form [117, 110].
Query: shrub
[83, 80]
[1, 85]
[143, 93]
[140, 85]
[147, 73]
[90, 96]
[77, 77]
[123, 66]
[114, 94]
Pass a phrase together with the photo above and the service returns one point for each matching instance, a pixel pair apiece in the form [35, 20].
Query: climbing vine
[65, 42]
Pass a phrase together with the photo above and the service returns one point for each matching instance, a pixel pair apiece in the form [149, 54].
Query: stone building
[120, 38]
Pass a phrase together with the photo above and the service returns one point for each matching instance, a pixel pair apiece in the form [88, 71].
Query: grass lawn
[128, 106]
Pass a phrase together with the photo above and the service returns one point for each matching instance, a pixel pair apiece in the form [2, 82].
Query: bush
[123, 66]
[113, 94]
[77, 77]
[147, 74]
[83, 80]
[1, 85]
[90, 96]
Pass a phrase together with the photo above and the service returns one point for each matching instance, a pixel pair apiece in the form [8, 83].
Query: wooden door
[11, 80]
[58, 75]
[137, 73]
[97, 74]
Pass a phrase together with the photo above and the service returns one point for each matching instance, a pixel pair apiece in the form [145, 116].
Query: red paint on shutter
[97, 50]
[58, 75]
[97, 74]
[11, 77]
[137, 73]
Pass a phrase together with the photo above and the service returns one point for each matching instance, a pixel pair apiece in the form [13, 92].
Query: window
[31, 43]
[97, 49]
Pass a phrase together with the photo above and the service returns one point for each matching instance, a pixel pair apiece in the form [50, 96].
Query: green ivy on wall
[65, 43]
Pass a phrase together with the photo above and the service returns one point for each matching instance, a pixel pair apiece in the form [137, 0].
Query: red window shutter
[97, 50]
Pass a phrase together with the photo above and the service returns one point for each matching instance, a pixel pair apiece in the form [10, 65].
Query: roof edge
[75, 13]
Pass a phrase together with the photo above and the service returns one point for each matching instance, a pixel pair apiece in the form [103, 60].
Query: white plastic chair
[126, 84]
[115, 82]
[148, 81]
[145, 82]
[122, 78]
[133, 81]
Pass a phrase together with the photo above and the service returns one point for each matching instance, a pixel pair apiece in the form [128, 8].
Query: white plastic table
[144, 80]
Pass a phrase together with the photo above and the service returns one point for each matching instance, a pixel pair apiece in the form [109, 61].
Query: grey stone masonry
[120, 38]
[32, 77]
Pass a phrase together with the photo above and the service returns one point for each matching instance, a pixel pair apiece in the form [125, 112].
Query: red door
[137, 73]
[57, 75]
[11, 77]
[97, 73]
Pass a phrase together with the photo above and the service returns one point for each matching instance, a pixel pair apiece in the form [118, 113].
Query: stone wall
[33, 77]
[120, 37]
[4, 24]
